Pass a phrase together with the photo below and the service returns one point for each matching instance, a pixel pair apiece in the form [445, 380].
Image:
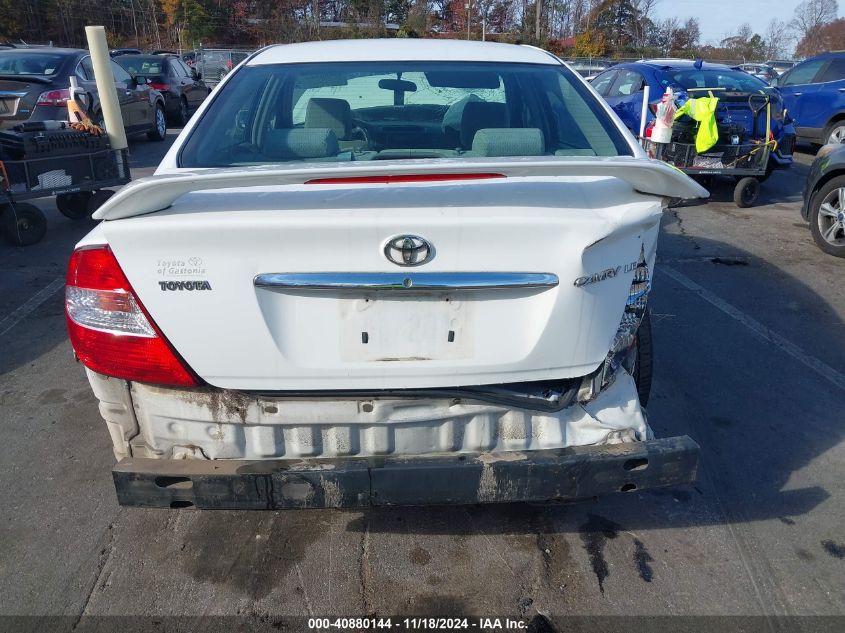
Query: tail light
[53, 97]
[159, 87]
[110, 330]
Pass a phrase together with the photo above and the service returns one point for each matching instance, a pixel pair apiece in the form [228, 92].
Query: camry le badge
[408, 250]
[608, 273]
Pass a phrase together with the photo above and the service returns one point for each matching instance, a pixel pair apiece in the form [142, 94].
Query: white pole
[106, 88]
[644, 112]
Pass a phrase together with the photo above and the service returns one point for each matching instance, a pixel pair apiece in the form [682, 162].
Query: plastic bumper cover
[541, 475]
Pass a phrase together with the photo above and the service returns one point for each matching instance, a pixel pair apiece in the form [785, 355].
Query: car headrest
[300, 143]
[324, 112]
[523, 141]
[481, 114]
[455, 112]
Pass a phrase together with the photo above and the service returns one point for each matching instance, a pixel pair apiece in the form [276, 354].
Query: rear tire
[834, 133]
[828, 225]
[180, 119]
[159, 130]
[644, 364]
[73, 205]
[24, 224]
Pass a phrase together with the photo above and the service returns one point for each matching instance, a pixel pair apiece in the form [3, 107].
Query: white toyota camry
[382, 272]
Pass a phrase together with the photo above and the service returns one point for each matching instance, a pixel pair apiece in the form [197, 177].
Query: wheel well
[836, 118]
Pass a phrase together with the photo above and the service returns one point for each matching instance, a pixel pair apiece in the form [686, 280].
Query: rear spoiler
[155, 193]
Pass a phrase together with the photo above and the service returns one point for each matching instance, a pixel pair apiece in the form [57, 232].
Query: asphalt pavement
[749, 327]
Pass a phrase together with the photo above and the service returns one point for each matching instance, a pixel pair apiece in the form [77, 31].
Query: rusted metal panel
[569, 473]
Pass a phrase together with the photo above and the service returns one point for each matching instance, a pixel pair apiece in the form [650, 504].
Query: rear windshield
[738, 80]
[16, 63]
[398, 110]
[144, 66]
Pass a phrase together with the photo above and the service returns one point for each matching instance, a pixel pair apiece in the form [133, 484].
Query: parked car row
[35, 86]
[763, 71]
[808, 103]
[622, 86]
[811, 93]
[214, 64]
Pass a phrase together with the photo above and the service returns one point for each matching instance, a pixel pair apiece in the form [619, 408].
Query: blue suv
[814, 94]
[622, 87]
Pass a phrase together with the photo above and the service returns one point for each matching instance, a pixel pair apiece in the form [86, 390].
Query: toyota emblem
[408, 250]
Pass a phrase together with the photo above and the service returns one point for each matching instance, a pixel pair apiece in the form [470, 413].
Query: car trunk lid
[198, 268]
[17, 98]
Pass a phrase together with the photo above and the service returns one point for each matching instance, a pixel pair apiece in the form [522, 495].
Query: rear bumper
[38, 113]
[541, 475]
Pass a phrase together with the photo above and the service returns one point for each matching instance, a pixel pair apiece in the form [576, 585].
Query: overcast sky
[720, 18]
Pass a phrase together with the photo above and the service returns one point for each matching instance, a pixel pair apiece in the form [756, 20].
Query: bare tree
[813, 13]
[778, 39]
[644, 23]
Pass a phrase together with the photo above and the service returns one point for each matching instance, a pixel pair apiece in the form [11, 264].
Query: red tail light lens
[54, 97]
[159, 87]
[110, 330]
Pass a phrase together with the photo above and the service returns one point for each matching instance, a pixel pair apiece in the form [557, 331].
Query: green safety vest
[703, 110]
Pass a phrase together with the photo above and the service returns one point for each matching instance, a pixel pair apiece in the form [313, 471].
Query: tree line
[592, 28]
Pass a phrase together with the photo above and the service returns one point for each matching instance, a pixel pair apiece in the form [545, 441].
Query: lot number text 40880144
[416, 624]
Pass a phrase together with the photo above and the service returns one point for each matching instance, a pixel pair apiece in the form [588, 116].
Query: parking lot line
[31, 305]
[758, 329]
